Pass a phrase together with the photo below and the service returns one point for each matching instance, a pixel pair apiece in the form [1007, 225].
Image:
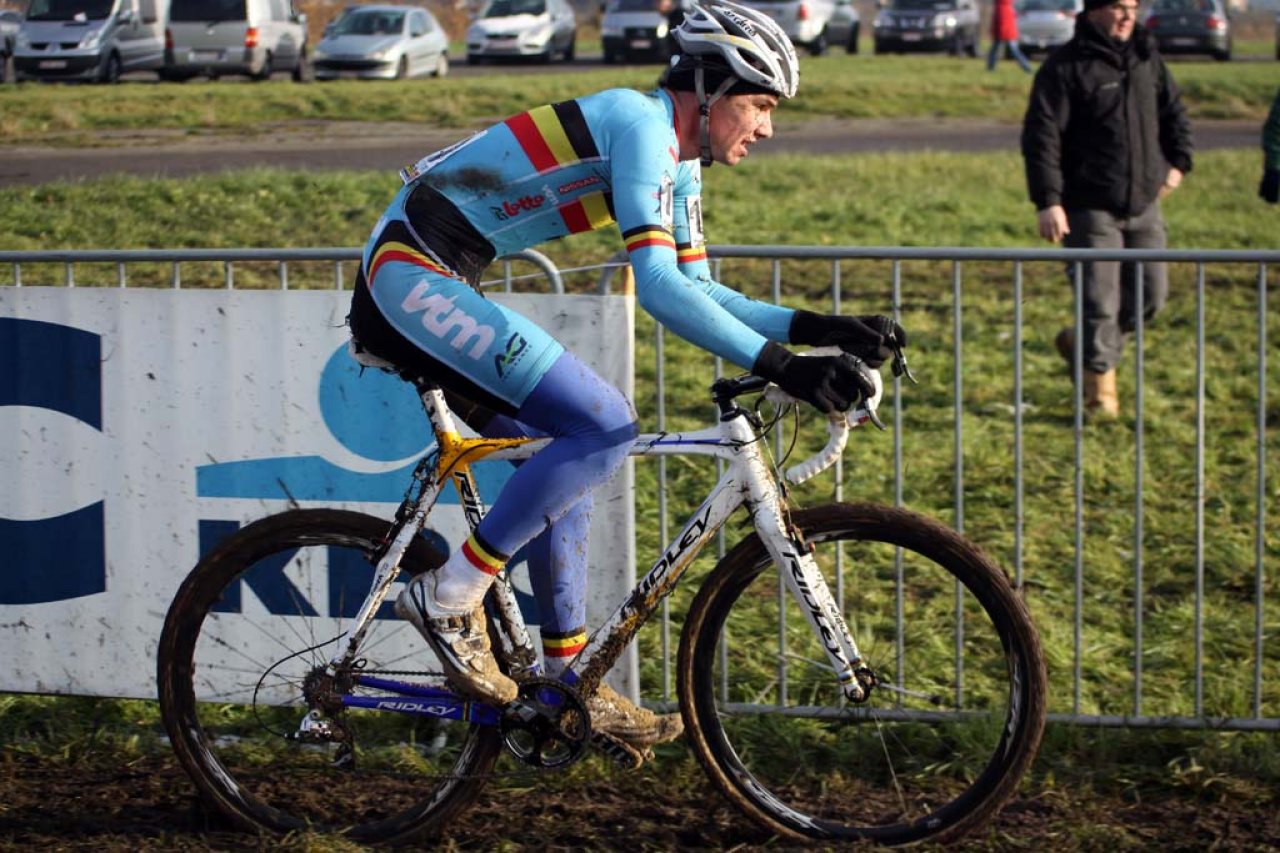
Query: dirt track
[388, 147]
[101, 804]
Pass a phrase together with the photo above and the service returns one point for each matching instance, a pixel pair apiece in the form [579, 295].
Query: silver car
[382, 42]
[844, 26]
[1044, 25]
[529, 29]
[804, 21]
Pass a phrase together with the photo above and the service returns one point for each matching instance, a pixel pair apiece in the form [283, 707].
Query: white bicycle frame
[748, 479]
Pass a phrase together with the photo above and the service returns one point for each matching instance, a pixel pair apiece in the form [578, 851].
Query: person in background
[1104, 138]
[1004, 35]
[1269, 188]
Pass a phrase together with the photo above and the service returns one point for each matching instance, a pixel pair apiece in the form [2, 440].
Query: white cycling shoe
[638, 727]
[459, 639]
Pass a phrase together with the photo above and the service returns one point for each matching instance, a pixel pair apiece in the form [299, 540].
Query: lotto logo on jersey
[512, 209]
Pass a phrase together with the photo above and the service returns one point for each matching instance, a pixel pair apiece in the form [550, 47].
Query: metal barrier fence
[1254, 700]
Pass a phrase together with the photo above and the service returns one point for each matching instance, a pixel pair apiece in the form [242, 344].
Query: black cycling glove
[1269, 188]
[868, 337]
[831, 383]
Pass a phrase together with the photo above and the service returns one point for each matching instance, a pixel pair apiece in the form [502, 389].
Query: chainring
[547, 726]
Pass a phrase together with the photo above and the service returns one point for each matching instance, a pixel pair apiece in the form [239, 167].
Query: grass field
[836, 85]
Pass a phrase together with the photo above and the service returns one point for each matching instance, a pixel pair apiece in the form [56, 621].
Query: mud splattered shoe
[639, 727]
[460, 640]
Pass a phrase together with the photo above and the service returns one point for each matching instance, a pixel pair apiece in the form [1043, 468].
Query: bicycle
[912, 717]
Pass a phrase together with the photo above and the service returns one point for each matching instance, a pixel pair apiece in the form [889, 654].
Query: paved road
[352, 145]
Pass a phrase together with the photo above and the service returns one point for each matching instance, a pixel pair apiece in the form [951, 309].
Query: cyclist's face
[739, 121]
[1117, 20]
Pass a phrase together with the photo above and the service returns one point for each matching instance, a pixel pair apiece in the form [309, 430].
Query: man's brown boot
[1065, 343]
[1100, 397]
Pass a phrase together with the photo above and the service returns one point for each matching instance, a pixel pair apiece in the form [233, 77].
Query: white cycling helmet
[749, 43]
[731, 47]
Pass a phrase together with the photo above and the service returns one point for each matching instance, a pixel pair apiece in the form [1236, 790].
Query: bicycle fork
[808, 587]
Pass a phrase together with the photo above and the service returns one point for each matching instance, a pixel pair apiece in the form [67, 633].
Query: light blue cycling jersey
[556, 170]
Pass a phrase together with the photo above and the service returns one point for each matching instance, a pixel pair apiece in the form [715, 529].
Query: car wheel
[852, 46]
[303, 72]
[110, 69]
[264, 73]
[474, 59]
[571, 50]
[878, 48]
[972, 49]
[818, 46]
[442, 66]
[402, 68]
[611, 58]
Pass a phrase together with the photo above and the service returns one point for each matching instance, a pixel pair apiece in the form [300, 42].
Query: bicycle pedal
[623, 753]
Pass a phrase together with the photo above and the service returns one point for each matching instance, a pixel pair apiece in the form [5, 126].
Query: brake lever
[900, 367]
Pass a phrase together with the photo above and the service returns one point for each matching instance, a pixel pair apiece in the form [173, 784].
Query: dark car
[1190, 26]
[927, 25]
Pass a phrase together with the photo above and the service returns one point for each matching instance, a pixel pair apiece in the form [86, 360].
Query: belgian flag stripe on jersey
[648, 235]
[554, 135]
[688, 254]
[393, 251]
[587, 213]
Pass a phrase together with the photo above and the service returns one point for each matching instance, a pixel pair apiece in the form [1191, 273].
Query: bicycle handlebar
[838, 423]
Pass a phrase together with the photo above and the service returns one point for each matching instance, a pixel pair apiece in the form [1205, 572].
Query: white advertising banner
[142, 426]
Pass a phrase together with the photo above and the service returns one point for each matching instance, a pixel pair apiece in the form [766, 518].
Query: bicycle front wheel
[248, 634]
[954, 721]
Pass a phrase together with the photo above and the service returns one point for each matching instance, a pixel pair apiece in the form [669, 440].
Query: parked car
[532, 29]
[844, 26]
[382, 42]
[89, 39]
[1190, 26]
[804, 21]
[633, 30]
[927, 25]
[1044, 25]
[219, 37]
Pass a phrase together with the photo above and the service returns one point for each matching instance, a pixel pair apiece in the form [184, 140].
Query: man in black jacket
[1105, 137]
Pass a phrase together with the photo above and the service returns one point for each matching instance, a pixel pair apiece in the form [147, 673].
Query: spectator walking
[1004, 35]
[1105, 137]
[1269, 188]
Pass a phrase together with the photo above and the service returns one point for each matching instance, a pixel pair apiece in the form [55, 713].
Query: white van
[89, 39]
[252, 37]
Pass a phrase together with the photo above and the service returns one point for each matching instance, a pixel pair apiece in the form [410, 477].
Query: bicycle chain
[620, 752]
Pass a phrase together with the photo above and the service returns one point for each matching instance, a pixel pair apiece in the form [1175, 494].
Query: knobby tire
[943, 740]
[411, 775]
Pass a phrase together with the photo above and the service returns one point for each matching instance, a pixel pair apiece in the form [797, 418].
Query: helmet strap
[704, 110]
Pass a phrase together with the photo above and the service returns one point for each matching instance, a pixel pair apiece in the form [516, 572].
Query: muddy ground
[97, 803]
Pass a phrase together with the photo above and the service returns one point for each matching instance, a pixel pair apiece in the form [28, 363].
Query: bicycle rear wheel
[256, 617]
[946, 735]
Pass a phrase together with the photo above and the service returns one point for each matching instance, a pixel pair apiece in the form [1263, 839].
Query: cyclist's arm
[771, 321]
[644, 195]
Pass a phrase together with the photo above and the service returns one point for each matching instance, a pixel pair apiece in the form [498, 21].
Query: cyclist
[615, 156]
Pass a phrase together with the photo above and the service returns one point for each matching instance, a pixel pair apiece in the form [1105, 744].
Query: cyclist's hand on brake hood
[829, 383]
[872, 337]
